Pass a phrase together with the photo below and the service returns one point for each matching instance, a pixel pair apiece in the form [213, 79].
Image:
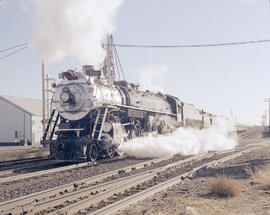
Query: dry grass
[262, 176]
[223, 186]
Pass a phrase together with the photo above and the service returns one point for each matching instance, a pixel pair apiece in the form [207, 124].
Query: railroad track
[6, 165]
[85, 182]
[134, 195]
[243, 135]
[36, 174]
[30, 165]
[54, 169]
[109, 192]
[39, 165]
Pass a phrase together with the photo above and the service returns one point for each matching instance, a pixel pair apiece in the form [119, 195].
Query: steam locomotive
[93, 114]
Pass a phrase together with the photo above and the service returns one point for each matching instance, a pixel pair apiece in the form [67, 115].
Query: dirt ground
[192, 196]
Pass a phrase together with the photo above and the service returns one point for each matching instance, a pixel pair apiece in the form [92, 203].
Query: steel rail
[123, 185]
[8, 205]
[39, 206]
[39, 165]
[104, 190]
[21, 161]
[59, 169]
[43, 172]
[70, 190]
[241, 136]
[123, 203]
[117, 186]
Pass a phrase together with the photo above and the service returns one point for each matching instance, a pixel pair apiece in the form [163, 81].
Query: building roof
[32, 106]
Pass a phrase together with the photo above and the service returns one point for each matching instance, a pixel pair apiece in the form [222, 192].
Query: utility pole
[43, 96]
[48, 95]
[48, 112]
[264, 121]
[268, 100]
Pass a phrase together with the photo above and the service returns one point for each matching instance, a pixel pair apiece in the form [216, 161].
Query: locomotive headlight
[64, 97]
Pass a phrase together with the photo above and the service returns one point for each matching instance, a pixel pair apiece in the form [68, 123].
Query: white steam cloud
[24, 6]
[2, 4]
[185, 141]
[73, 28]
[152, 77]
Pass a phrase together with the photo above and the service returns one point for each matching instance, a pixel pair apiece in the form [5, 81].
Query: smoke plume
[2, 4]
[73, 28]
[185, 141]
[152, 77]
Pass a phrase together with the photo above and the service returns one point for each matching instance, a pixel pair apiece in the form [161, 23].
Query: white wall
[14, 119]
[36, 129]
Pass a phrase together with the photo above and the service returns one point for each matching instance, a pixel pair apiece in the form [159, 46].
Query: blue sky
[216, 79]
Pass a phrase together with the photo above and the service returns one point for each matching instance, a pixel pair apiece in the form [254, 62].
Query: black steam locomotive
[93, 114]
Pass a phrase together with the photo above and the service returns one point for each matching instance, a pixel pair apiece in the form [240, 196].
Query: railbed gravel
[16, 189]
[164, 176]
[12, 190]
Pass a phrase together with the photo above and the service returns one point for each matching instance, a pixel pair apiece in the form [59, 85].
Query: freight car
[93, 114]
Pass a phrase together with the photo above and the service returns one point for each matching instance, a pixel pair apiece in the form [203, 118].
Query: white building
[20, 120]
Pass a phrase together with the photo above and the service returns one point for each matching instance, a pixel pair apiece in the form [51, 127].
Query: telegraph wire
[192, 45]
[12, 53]
[168, 46]
[149, 46]
[13, 47]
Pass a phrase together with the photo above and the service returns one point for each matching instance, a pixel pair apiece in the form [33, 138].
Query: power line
[193, 45]
[152, 46]
[22, 44]
[12, 53]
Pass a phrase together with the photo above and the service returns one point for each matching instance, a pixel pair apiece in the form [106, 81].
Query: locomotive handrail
[135, 108]
[54, 126]
[70, 129]
[73, 111]
[72, 84]
[48, 126]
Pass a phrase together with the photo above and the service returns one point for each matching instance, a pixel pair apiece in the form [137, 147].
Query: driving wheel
[92, 153]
